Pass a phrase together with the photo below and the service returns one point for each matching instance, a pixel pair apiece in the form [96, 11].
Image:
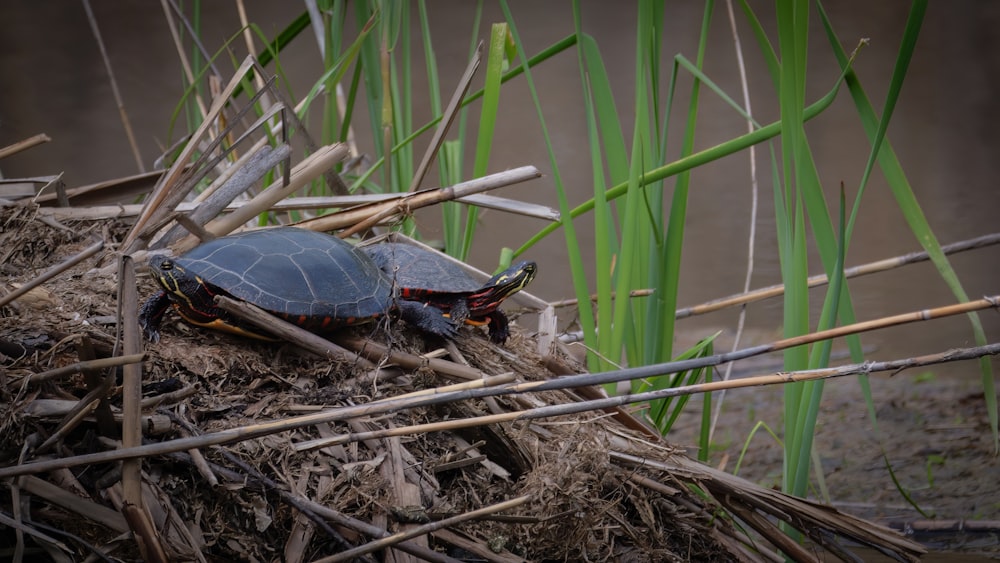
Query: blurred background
[55, 82]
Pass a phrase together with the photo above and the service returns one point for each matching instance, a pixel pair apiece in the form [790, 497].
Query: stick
[420, 199]
[371, 350]
[80, 367]
[813, 281]
[424, 529]
[258, 430]
[24, 144]
[99, 212]
[114, 87]
[148, 539]
[481, 383]
[155, 207]
[447, 118]
[409, 361]
[821, 279]
[254, 431]
[288, 331]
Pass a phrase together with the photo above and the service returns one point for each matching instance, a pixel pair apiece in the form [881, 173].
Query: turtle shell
[311, 278]
[421, 271]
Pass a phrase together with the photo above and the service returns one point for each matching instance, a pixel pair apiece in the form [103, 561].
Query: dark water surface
[53, 80]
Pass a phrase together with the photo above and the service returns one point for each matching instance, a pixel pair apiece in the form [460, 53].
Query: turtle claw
[499, 327]
[151, 314]
[427, 318]
[151, 334]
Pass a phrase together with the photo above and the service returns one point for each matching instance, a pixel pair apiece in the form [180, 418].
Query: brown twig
[447, 118]
[813, 281]
[24, 145]
[375, 351]
[290, 332]
[490, 381]
[157, 206]
[149, 541]
[424, 529]
[350, 217]
[263, 429]
[821, 279]
[80, 367]
[114, 87]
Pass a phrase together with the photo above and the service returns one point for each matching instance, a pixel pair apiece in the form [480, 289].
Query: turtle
[431, 278]
[314, 280]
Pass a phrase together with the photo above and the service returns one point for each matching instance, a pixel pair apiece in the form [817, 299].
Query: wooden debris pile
[388, 446]
[576, 487]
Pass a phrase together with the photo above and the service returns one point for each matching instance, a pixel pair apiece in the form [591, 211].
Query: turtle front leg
[499, 326]
[459, 311]
[427, 318]
[151, 314]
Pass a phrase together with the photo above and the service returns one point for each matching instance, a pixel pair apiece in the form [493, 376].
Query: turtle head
[503, 285]
[172, 276]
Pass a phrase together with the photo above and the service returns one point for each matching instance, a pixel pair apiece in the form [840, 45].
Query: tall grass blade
[688, 163]
[487, 122]
[900, 186]
[569, 230]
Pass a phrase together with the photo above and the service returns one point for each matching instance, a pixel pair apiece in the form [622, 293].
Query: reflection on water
[942, 130]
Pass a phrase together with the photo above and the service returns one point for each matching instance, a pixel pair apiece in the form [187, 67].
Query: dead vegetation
[212, 447]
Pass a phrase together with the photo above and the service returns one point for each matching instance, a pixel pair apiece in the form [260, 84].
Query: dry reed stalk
[80, 367]
[81, 410]
[125, 188]
[818, 521]
[254, 431]
[447, 118]
[21, 528]
[377, 352]
[489, 381]
[374, 531]
[114, 87]
[247, 172]
[182, 56]
[24, 145]
[304, 172]
[365, 353]
[883, 265]
[877, 266]
[48, 408]
[484, 552]
[404, 203]
[290, 332]
[425, 529]
[166, 195]
[134, 507]
[102, 212]
[250, 154]
[74, 503]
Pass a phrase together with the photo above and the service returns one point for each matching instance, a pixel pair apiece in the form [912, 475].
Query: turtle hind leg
[427, 318]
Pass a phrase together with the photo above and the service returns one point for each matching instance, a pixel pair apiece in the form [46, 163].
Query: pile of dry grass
[576, 487]
[210, 447]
